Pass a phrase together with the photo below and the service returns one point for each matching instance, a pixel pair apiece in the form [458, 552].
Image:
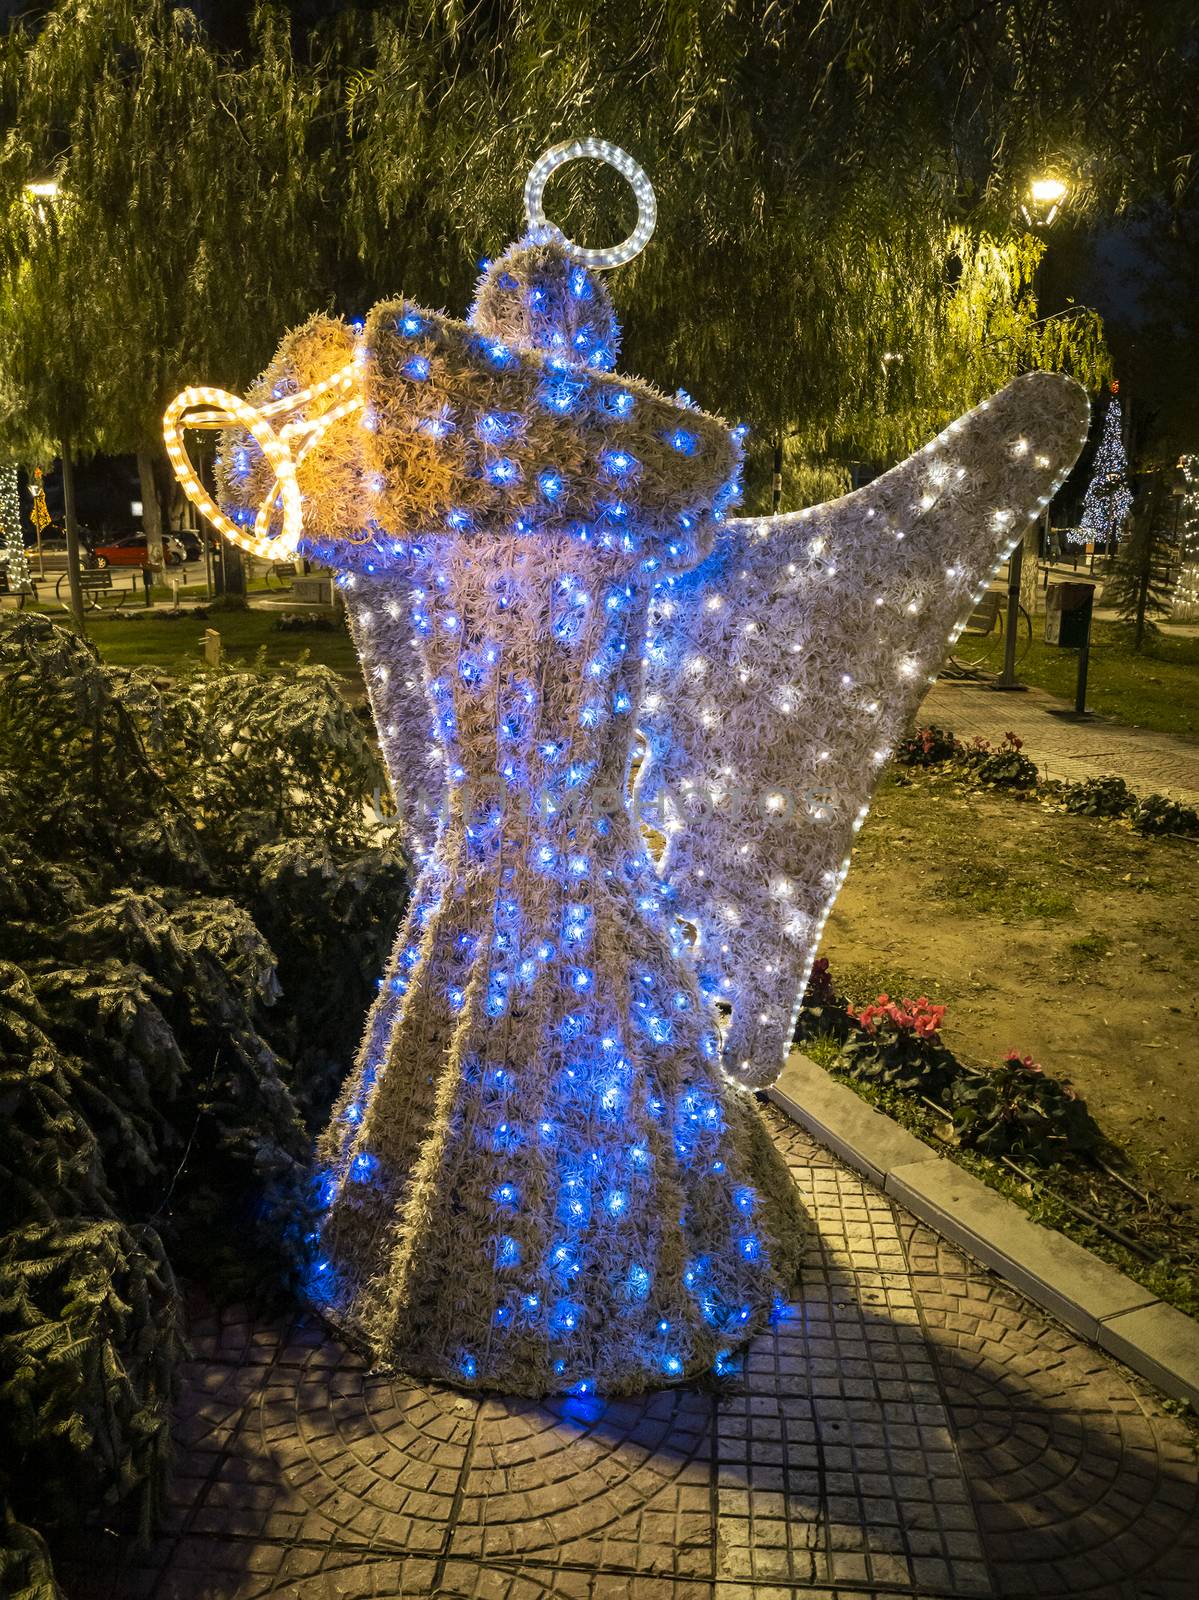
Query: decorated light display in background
[1108, 498]
[541, 1175]
[16, 563]
[1186, 590]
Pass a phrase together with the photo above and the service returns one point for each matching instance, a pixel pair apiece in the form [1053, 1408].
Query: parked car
[132, 551]
[54, 551]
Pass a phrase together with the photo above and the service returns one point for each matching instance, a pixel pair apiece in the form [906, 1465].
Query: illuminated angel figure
[539, 1176]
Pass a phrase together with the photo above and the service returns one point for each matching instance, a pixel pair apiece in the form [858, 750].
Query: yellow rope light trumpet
[204, 407]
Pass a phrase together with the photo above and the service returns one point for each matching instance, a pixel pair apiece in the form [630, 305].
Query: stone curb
[1094, 1299]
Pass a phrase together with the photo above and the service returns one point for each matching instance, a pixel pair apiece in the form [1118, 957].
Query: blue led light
[495, 426]
[559, 397]
[411, 324]
[638, 1282]
[565, 1317]
[618, 463]
[550, 484]
[683, 441]
[751, 1248]
[505, 470]
[744, 1199]
[507, 1251]
[617, 1202]
[672, 1365]
[468, 1366]
[506, 1195]
[416, 367]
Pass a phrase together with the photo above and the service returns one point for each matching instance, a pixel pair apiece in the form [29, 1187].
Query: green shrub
[1157, 814]
[1018, 1110]
[823, 1013]
[193, 914]
[928, 747]
[1099, 797]
[897, 1045]
[1004, 768]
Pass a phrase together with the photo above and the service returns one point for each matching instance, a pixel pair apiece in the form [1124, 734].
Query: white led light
[613, 156]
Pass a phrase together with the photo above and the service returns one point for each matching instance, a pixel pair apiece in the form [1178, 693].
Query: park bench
[20, 592]
[94, 585]
[281, 573]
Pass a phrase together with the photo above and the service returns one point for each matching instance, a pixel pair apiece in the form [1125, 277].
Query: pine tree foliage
[161, 1063]
[1140, 583]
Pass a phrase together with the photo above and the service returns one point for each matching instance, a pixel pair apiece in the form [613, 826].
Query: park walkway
[1149, 762]
[911, 1428]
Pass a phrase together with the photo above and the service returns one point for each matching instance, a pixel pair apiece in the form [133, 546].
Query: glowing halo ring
[613, 156]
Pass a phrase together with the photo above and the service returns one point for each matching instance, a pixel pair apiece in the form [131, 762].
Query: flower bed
[1007, 767]
[1025, 1131]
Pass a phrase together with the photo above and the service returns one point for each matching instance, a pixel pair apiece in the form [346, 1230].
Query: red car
[132, 552]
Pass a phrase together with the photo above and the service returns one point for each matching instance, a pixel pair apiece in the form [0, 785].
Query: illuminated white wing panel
[781, 671]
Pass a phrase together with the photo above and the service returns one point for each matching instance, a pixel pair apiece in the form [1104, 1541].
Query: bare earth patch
[1069, 939]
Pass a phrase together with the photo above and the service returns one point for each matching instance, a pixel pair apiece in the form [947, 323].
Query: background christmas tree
[1186, 590]
[1140, 585]
[1108, 499]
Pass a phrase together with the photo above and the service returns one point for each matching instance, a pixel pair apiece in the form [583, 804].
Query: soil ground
[1069, 939]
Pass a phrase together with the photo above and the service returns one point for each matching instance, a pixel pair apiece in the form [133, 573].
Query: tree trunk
[72, 524]
[1142, 602]
[152, 520]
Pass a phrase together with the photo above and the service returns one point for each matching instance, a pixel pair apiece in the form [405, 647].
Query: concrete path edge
[1092, 1298]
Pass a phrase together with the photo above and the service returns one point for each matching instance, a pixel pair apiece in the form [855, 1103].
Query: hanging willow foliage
[819, 168]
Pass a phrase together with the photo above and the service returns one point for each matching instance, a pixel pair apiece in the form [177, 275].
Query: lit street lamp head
[1045, 199]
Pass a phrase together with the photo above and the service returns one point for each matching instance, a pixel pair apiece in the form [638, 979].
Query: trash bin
[1068, 614]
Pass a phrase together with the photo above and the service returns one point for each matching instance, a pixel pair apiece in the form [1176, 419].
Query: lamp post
[1041, 204]
[43, 196]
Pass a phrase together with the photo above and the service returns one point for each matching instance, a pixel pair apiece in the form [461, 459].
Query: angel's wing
[782, 669]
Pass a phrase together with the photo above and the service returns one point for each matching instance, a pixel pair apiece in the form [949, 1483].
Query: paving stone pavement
[1149, 762]
[911, 1428]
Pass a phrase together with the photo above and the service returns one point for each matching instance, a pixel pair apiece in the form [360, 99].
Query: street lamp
[1042, 202]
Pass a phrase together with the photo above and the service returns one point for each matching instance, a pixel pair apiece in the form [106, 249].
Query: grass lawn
[176, 646]
[1070, 939]
[1157, 689]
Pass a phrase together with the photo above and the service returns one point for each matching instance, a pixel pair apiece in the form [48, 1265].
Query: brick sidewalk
[913, 1428]
[1149, 762]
